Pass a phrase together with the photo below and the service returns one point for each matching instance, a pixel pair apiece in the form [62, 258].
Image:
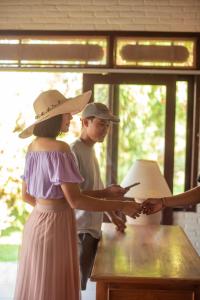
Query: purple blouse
[45, 171]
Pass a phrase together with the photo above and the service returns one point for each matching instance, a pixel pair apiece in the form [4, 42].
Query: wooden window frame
[191, 169]
[111, 49]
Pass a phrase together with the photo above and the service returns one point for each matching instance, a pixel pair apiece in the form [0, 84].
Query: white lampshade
[152, 185]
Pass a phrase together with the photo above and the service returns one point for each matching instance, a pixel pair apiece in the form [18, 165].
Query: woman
[48, 268]
[153, 205]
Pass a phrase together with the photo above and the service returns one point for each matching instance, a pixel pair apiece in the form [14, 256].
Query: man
[96, 119]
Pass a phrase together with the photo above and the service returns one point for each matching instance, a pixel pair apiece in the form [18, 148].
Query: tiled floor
[90, 293]
[7, 280]
[7, 283]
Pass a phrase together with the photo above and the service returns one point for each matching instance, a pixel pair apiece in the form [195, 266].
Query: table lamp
[152, 185]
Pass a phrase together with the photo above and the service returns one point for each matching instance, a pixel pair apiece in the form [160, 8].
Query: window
[103, 50]
[156, 53]
[56, 52]
[157, 114]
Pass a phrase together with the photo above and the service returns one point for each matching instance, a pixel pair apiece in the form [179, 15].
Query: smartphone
[132, 185]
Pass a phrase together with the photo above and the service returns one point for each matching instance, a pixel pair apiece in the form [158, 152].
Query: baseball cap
[99, 110]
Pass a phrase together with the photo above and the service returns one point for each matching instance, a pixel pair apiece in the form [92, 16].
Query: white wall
[133, 15]
[136, 15]
[190, 222]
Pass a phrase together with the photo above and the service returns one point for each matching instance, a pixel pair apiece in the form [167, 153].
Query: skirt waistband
[51, 207]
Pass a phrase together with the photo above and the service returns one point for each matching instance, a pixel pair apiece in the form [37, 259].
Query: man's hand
[115, 190]
[119, 221]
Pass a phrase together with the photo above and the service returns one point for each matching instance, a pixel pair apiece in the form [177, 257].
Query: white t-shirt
[87, 221]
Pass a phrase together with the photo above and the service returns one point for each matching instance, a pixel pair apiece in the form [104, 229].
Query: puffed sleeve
[25, 175]
[64, 168]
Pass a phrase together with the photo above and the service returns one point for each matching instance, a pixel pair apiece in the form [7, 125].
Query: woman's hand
[132, 209]
[152, 205]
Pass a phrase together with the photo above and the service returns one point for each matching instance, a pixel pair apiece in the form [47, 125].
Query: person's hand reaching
[152, 205]
[132, 209]
[119, 222]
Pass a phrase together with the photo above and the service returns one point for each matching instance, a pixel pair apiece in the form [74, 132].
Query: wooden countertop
[153, 252]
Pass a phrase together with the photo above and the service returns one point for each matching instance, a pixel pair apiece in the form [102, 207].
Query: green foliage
[142, 127]
[141, 135]
[16, 207]
[9, 253]
[10, 194]
[101, 92]
[180, 136]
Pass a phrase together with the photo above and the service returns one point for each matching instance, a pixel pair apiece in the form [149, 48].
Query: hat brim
[105, 116]
[72, 105]
[109, 117]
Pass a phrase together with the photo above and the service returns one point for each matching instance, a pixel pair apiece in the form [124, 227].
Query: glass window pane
[101, 94]
[144, 52]
[180, 136]
[142, 125]
[54, 52]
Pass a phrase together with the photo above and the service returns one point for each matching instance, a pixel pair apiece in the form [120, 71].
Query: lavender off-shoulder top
[45, 171]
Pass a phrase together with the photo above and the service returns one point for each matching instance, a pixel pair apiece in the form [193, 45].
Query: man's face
[97, 129]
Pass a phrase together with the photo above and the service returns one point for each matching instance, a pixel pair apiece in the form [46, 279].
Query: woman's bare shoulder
[45, 144]
[62, 146]
[30, 147]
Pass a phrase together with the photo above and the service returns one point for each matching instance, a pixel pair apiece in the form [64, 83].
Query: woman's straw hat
[52, 103]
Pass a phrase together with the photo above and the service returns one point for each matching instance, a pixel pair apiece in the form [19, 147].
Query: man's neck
[86, 140]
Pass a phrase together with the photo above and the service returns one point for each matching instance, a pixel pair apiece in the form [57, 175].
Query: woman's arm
[190, 197]
[27, 197]
[153, 205]
[78, 200]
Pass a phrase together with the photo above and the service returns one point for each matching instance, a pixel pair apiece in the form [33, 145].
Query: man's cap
[98, 110]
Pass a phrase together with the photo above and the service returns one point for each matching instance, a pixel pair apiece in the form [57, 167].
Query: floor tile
[8, 273]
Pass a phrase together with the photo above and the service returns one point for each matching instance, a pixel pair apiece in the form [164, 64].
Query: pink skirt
[48, 267]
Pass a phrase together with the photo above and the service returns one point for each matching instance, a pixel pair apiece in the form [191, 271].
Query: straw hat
[52, 103]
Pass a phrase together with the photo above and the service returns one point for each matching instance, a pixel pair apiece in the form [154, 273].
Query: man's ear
[85, 122]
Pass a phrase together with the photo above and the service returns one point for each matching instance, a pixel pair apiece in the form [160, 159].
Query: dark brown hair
[49, 128]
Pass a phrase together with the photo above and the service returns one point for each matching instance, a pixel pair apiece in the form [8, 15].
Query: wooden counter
[154, 262]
